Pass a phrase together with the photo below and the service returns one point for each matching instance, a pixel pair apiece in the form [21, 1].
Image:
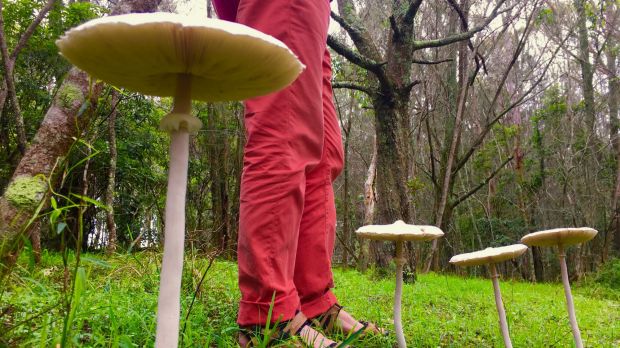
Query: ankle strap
[296, 324]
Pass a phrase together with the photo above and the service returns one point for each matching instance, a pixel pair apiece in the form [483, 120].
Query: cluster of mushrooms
[560, 237]
[170, 55]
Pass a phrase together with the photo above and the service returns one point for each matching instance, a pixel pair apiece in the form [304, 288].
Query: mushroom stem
[569, 298]
[168, 308]
[500, 306]
[180, 117]
[398, 325]
[183, 96]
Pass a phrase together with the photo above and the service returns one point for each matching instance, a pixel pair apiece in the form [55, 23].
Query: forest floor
[115, 298]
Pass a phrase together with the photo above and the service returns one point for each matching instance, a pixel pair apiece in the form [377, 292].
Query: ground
[116, 307]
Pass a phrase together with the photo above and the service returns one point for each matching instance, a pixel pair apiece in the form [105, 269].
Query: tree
[28, 189]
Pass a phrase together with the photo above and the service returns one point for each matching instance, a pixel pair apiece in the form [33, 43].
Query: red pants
[292, 156]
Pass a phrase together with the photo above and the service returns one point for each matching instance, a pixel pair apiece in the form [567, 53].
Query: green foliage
[609, 274]
[118, 302]
[485, 159]
[39, 69]
[492, 231]
[545, 16]
[415, 185]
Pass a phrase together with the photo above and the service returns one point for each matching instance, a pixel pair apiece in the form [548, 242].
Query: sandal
[328, 321]
[252, 336]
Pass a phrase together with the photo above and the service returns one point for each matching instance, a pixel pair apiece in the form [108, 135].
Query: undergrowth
[116, 305]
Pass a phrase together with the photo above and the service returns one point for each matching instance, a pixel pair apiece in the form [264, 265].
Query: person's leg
[284, 141]
[313, 274]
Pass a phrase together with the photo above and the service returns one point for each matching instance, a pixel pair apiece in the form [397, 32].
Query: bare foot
[349, 325]
[313, 338]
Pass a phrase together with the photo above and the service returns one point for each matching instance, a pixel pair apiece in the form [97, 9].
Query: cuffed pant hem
[255, 313]
[319, 305]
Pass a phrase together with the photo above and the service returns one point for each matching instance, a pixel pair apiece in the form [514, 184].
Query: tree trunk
[443, 209]
[346, 221]
[369, 208]
[391, 82]
[28, 189]
[587, 73]
[613, 100]
[10, 85]
[109, 193]
[539, 271]
[35, 239]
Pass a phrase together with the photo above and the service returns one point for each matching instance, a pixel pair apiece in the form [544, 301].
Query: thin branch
[480, 138]
[430, 62]
[358, 35]
[515, 56]
[482, 184]
[353, 85]
[352, 56]
[407, 89]
[460, 36]
[478, 58]
[351, 252]
[31, 28]
[353, 32]
[432, 154]
[459, 11]
[10, 85]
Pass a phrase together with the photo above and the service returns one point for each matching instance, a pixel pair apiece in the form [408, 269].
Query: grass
[117, 307]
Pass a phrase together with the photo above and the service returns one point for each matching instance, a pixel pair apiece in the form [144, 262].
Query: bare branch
[482, 184]
[515, 56]
[354, 86]
[407, 89]
[353, 56]
[480, 138]
[430, 62]
[460, 36]
[361, 39]
[459, 11]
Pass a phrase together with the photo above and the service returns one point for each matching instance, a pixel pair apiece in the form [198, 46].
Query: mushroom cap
[559, 236]
[488, 255]
[399, 231]
[145, 52]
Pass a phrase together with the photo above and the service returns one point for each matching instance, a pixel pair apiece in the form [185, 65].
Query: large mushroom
[491, 256]
[563, 237]
[399, 232]
[165, 54]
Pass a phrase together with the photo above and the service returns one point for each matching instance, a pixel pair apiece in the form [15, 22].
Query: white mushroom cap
[489, 255]
[399, 231]
[559, 236]
[146, 52]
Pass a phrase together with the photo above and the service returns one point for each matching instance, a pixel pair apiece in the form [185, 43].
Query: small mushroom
[165, 54]
[399, 232]
[491, 256]
[563, 237]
